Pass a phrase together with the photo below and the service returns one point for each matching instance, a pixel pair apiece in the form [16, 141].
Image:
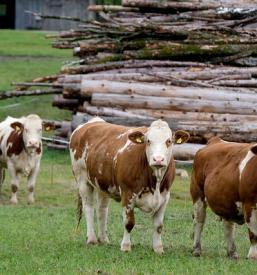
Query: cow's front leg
[31, 184]
[229, 232]
[128, 222]
[102, 215]
[15, 180]
[158, 226]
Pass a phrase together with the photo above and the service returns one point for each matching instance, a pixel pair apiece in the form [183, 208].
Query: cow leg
[199, 214]
[31, 183]
[158, 226]
[102, 215]
[250, 213]
[2, 176]
[15, 180]
[229, 232]
[87, 195]
[128, 222]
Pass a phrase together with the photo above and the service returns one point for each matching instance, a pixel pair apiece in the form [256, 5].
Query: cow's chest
[149, 202]
[24, 163]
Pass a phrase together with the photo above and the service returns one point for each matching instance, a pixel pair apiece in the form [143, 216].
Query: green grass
[25, 55]
[40, 239]
[29, 43]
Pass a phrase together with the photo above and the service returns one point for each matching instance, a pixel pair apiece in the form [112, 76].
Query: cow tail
[79, 210]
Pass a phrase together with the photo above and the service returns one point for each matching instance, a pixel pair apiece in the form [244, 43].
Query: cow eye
[168, 142]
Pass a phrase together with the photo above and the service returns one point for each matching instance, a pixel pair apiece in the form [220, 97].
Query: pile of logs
[192, 63]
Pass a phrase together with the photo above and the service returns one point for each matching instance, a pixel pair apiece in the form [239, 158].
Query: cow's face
[159, 142]
[31, 130]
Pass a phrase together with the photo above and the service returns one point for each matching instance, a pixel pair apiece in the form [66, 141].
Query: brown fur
[216, 176]
[16, 146]
[128, 170]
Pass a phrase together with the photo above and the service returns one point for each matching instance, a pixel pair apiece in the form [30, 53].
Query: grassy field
[40, 239]
[25, 55]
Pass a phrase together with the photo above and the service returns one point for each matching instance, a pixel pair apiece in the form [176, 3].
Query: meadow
[40, 238]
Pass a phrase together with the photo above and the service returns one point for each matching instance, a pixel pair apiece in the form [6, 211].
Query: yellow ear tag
[179, 140]
[47, 128]
[17, 129]
[139, 140]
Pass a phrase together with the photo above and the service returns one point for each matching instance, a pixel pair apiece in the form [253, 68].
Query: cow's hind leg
[158, 226]
[86, 192]
[250, 213]
[199, 215]
[102, 215]
[229, 233]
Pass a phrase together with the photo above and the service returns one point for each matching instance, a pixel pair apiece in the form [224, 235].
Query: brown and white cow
[131, 165]
[225, 176]
[21, 150]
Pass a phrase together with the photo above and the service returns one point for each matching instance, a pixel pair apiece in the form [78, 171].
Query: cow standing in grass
[21, 151]
[131, 165]
[225, 176]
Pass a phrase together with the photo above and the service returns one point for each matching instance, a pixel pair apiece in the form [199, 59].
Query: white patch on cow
[252, 225]
[148, 202]
[244, 162]
[112, 189]
[252, 254]
[96, 119]
[100, 169]
[125, 147]
[239, 207]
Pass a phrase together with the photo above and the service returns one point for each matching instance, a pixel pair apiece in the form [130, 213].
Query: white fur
[244, 162]
[28, 161]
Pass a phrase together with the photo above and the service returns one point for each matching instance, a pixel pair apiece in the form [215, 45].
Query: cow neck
[152, 182]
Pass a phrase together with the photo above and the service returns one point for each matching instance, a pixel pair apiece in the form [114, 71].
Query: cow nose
[33, 143]
[158, 160]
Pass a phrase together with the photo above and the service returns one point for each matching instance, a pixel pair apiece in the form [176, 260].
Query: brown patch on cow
[216, 176]
[254, 149]
[159, 229]
[15, 143]
[130, 220]
[31, 189]
[39, 149]
[14, 188]
[252, 237]
[213, 140]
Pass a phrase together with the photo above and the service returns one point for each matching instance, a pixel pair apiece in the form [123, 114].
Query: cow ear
[17, 126]
[137, 137]
[254, 149]
[48, 126]
[181, 137]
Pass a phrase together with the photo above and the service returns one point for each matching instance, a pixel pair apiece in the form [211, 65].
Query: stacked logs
[192, 63]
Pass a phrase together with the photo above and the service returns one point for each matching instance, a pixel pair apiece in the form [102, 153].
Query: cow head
[159, 142]
[31, 130]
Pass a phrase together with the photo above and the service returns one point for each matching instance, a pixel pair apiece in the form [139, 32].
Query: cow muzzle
[33, 144]
[158, 161]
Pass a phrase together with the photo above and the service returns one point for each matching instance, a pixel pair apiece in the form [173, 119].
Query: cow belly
[150, 202]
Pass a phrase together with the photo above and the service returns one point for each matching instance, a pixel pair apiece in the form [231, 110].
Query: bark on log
[89, 87]
[176, 104]
[9, 94]
[166, 6]
[63, 103]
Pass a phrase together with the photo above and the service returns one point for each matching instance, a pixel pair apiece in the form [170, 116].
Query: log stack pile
[192, 63]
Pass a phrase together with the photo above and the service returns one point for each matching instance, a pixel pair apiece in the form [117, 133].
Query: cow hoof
[252, 257]
[159, 250]
[196, 253]
[126, 247]
[91, 241]
[103, 240]
[31, 201]
[14, 201]
[233, 255]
